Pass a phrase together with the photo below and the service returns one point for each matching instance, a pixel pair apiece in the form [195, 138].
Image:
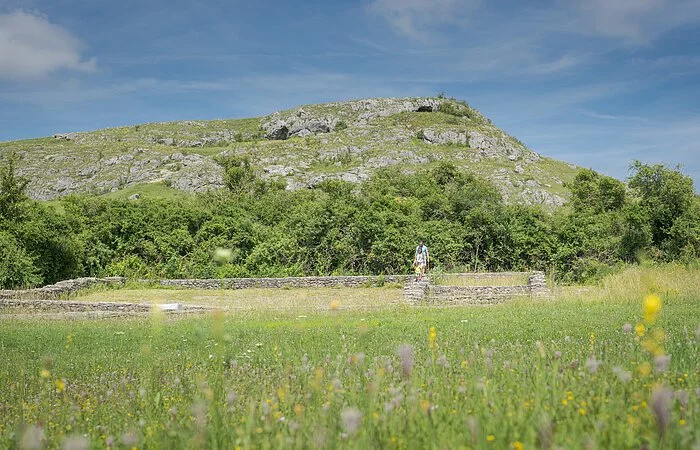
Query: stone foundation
[60, 289]
[73, 306]
[289, 282]
[429, 293]
[47, 298]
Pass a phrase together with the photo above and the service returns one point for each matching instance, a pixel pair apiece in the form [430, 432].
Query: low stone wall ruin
[289, 282]
[48, 297]
[60, 289]
[428, 293]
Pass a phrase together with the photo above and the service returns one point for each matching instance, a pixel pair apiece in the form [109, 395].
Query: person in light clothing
[421, 260]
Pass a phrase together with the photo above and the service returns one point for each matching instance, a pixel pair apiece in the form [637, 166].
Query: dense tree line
[343, 228]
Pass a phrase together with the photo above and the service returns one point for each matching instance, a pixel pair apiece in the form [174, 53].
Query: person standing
[421, 260]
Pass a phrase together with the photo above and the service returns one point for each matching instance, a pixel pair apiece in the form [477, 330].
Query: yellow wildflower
[681, 422]
[644, 369]
[490, 438]
[425, 406]
[582, 411]
[60, 385]
[639, 329]
[652, 347]
[45, 373]
[517, 445]
[432, 337]
[652, 305]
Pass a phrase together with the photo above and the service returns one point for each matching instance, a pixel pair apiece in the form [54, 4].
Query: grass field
[258, 299]
[590, 369]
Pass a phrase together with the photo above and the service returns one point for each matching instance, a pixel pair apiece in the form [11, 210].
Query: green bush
[17, 269]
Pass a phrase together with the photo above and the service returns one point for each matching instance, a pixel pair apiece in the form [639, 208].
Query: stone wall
[36, 305]
[60, 289]
[414, 292]
[70, 306]
[289, 282]
[475, 295]
[417, 292]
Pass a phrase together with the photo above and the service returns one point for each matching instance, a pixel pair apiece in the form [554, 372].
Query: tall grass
[571, 372]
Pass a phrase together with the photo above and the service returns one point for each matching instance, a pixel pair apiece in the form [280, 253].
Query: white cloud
[417, 19]
[566, 62]
[31, 47]
[637, 21]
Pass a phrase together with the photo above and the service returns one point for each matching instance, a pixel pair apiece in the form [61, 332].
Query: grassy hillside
[305, 145]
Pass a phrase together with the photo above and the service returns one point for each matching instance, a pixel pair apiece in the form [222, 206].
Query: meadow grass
[256, 298]
[462, 280]
[585, 370]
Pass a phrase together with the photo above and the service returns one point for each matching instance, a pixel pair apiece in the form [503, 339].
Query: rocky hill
[344, 140]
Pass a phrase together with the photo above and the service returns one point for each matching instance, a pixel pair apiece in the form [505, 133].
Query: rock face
[447, 137]
[493, 146]
[303, 146]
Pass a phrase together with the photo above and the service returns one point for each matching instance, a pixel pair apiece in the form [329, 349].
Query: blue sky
[594, 82]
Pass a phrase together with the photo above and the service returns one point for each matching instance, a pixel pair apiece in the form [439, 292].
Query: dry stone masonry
[416, 292]
[53, 297]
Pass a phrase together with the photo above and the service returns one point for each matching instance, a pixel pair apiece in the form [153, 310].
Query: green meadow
[605, 367]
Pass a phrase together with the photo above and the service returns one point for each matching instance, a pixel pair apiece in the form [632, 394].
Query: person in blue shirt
[421, 260]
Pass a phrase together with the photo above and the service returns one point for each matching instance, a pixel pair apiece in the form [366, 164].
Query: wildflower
[540, 348]
[652, 347]
[334, 305]
[76, 443]
[661, 407]
[644, 369]
[45, 373]
[351, 419]
[32, 438]
[582, 411]
[405, 352]
[60, 386]
[652, 305]
[130, 439]
[298, 409]
[517, 445]
[592, 364]
[473, 425]
[639, 329]
[199, 411]
[661, 363]
[223, 255]
[622, 374]
[432, 337]
[442, 361]
[425, 406]
[627, 328]
[357, 359]
[490, 438]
